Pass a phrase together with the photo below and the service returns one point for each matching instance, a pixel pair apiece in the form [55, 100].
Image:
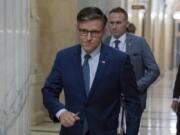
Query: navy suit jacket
[176, 92]
[144, 64]
[101, 107]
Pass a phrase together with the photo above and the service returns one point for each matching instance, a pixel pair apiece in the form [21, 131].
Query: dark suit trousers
[178, 120]
[87, 133]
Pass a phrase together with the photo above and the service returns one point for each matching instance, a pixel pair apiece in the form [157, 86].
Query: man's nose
[114, 25]
[89, 36]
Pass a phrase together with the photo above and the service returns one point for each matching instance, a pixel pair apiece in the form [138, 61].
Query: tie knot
[117, 44]
[117, 41]
[87, 56]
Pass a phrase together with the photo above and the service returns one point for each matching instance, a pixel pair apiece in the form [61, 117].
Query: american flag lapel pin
[103, 62]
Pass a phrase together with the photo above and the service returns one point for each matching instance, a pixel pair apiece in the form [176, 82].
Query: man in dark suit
[175, 103]
[145, 67]
[92, 76]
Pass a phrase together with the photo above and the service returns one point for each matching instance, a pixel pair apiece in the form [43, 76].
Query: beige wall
[105, 5]
[176, 48]
[169, 34]
[158, 31]
[52, 28]
[161, 31]
[57, 28]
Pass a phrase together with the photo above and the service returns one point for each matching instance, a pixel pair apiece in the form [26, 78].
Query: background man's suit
[144, 64]
[176, 95]
[101, 107]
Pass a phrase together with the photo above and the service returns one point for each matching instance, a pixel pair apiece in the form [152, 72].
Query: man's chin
[116, 35]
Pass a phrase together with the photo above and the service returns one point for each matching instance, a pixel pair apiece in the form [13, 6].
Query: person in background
[175, 103]
[131, 28]
[144, 64]
[92, 79]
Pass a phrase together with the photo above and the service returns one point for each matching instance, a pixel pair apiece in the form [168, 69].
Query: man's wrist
[60, 112]
[175, 99]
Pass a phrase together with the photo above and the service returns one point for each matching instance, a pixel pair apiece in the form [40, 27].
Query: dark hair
[91, 13]
[131, 28]
[119, 10]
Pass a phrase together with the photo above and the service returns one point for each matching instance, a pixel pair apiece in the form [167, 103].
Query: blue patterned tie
[86, 73]
[117, 44]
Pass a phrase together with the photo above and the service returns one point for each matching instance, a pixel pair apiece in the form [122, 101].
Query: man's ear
[106, 29]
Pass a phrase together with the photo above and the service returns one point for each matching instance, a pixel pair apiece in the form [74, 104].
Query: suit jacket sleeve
[52, 89]
[176, 92]
[151, 68]
[132, 98]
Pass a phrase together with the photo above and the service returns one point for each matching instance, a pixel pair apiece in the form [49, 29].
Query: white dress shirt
[121, 45]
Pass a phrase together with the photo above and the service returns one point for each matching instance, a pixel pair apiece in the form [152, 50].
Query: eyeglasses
[93, 33]
[114, 23]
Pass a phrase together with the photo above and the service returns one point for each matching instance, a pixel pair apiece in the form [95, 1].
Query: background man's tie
[117, 44]
[86, 73]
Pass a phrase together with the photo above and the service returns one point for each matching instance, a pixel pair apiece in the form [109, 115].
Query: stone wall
[15, 67]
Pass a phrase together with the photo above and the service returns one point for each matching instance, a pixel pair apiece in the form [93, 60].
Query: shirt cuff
[60, 112]
[175, 99]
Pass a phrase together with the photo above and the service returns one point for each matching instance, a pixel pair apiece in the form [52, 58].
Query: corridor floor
[158, 118]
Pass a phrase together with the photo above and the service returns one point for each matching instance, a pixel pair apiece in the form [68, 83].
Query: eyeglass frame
[93, 33]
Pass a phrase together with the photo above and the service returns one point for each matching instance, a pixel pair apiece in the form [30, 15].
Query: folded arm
[150, 66]
[51, 91]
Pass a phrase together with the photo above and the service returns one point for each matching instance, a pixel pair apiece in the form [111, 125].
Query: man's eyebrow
[114, 21]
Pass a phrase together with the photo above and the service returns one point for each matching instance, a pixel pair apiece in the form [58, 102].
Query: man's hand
[174, 105]
[68, 119]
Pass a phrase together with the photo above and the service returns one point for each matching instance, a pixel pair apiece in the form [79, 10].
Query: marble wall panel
[15, 67]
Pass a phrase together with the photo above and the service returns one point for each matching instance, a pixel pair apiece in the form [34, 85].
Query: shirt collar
[122, 39]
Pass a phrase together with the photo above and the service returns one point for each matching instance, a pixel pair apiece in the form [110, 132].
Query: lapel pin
[103, 62]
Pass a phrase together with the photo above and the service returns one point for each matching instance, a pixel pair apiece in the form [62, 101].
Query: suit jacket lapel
[107, 41]
[103, 62]
[78, 69]
[128, 44]
[102, 66]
